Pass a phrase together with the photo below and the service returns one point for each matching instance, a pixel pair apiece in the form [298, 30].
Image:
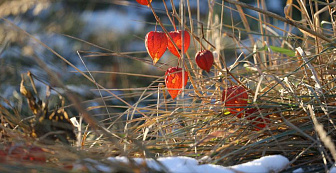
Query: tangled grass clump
[289, 104]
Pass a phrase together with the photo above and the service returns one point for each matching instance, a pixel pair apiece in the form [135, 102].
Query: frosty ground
[181, 164]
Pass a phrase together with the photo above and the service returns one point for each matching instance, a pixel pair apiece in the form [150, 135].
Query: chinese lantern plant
[144, 2]
[257, 122]
[36, 154]
[260, 123]
[177, 38]
[204, 60]
[235, 100]
[156, 45]
[23, 153]
[174, 81]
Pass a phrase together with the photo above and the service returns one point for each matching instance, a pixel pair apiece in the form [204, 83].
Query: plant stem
[169, 17]
[163, 28]
[291, 22]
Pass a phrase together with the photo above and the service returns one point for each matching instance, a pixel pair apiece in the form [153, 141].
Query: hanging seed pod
[143, 2]
[156, 45]
[174, 81]
[204, 59]
[177, 38]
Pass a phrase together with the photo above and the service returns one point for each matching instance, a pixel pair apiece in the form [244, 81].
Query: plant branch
[291, 22]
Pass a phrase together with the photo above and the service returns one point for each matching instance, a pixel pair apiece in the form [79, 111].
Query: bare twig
[270, 14]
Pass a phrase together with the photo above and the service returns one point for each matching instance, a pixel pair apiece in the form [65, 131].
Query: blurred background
[108, 36]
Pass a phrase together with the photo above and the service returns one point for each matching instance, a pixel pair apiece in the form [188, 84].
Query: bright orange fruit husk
[235, 99]
[177, 38]
[257, 121]
[174, 81]
[143, 2]
[156, 45]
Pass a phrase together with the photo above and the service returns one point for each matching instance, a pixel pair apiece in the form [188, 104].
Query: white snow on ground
[299, 170]
[181, 164]
[274, 163]
[332, 169]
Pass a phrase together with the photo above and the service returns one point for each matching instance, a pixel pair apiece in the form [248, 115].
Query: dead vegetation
[290, 79]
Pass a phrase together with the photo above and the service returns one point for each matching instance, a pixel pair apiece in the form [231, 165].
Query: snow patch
[332, 169]
[299, 170]
[274, 163]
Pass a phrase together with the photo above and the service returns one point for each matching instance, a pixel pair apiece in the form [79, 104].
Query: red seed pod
[177, 38]
[156, 45]
[250, 111]
[143, 2]
[258, 122]
[235, 99]
[3, 156]
[204, 60]
[36, 154]
[23, 153]
[174, 80]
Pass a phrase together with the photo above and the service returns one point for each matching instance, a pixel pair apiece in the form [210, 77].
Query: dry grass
[290, 80]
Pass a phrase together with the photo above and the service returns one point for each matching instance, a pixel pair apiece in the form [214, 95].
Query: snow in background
[181, 164]
[332, 170]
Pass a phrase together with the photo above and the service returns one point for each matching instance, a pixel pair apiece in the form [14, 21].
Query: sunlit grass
[289, 78]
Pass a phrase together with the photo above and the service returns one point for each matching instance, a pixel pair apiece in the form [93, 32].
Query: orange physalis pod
[257, 121]
[144, 2]
[156, 45]
[204, 60]
[235, 99]
[174, 81]
[177, 38]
